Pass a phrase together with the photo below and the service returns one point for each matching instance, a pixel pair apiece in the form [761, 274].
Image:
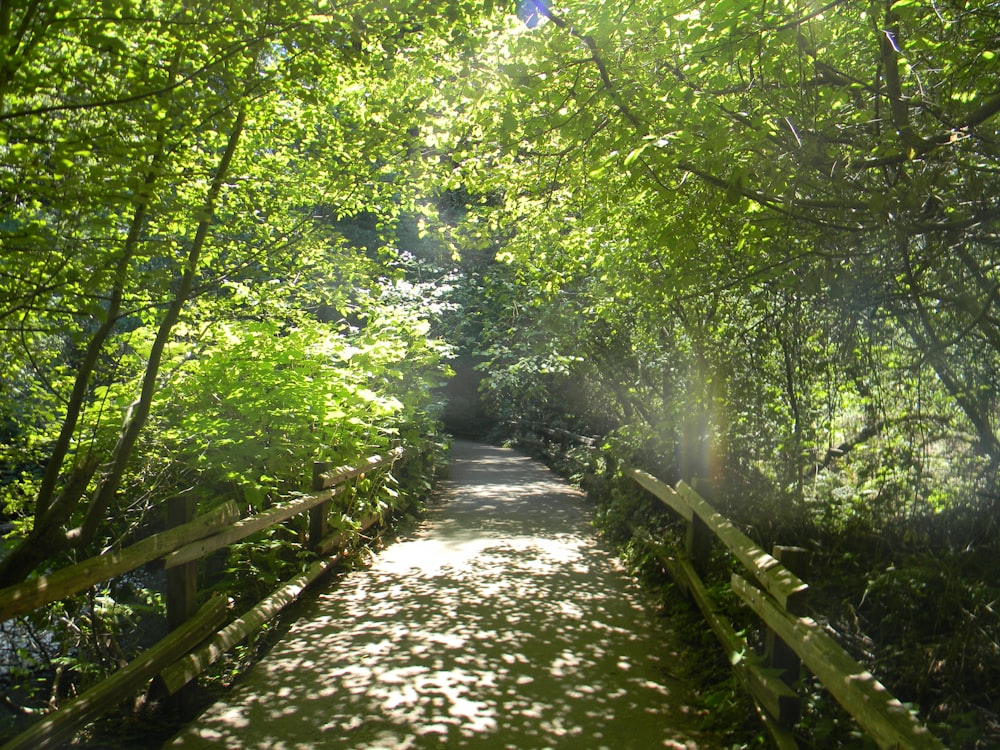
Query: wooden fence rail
[37, 592]
[777, 596]
[195, 640]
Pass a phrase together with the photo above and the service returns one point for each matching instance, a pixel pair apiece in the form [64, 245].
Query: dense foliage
[753, 243]
[173, 181]
[756, 244]
[186, 305]
[773, 225]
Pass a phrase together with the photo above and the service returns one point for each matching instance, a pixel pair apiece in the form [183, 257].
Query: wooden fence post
[182, 591]
[698, 544]
[777, 654]
[699, 536]
[318, 514]
[182, 581]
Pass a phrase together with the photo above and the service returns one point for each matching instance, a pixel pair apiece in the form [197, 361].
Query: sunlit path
[501, 623]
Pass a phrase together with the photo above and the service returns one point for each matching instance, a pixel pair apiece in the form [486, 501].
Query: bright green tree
[164, 154]
[772, 220]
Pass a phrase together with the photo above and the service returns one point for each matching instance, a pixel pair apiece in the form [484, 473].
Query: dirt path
[502, 622]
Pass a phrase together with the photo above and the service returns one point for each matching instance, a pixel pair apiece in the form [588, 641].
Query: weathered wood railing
[777, 596]
[195, 640]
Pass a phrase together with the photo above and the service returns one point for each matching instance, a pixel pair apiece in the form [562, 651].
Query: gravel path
[501, 622]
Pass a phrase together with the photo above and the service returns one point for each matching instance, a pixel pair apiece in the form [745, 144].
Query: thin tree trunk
[48, 535]
[53, 510]
[139, 411]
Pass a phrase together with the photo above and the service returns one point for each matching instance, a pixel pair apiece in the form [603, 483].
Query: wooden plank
[247, 526]
[786, 587]
[666, 494]
[777, 699]
[34, 593]
[319, 469]
[318, 514]
[323, 481]
[60, 727]
[777, 704]
[796, 559]
[180, 673]
[882, 717]
[774, 696]
[782, 738]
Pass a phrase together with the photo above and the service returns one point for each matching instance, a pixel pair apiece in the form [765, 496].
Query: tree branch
[868, 432]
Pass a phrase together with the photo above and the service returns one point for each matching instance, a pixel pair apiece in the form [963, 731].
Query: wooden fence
[198, 634]
[777, 596]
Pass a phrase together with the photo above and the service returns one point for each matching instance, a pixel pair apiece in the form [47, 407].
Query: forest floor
[502, 621]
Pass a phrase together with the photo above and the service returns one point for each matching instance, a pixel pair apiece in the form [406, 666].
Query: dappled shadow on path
[501, 623]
